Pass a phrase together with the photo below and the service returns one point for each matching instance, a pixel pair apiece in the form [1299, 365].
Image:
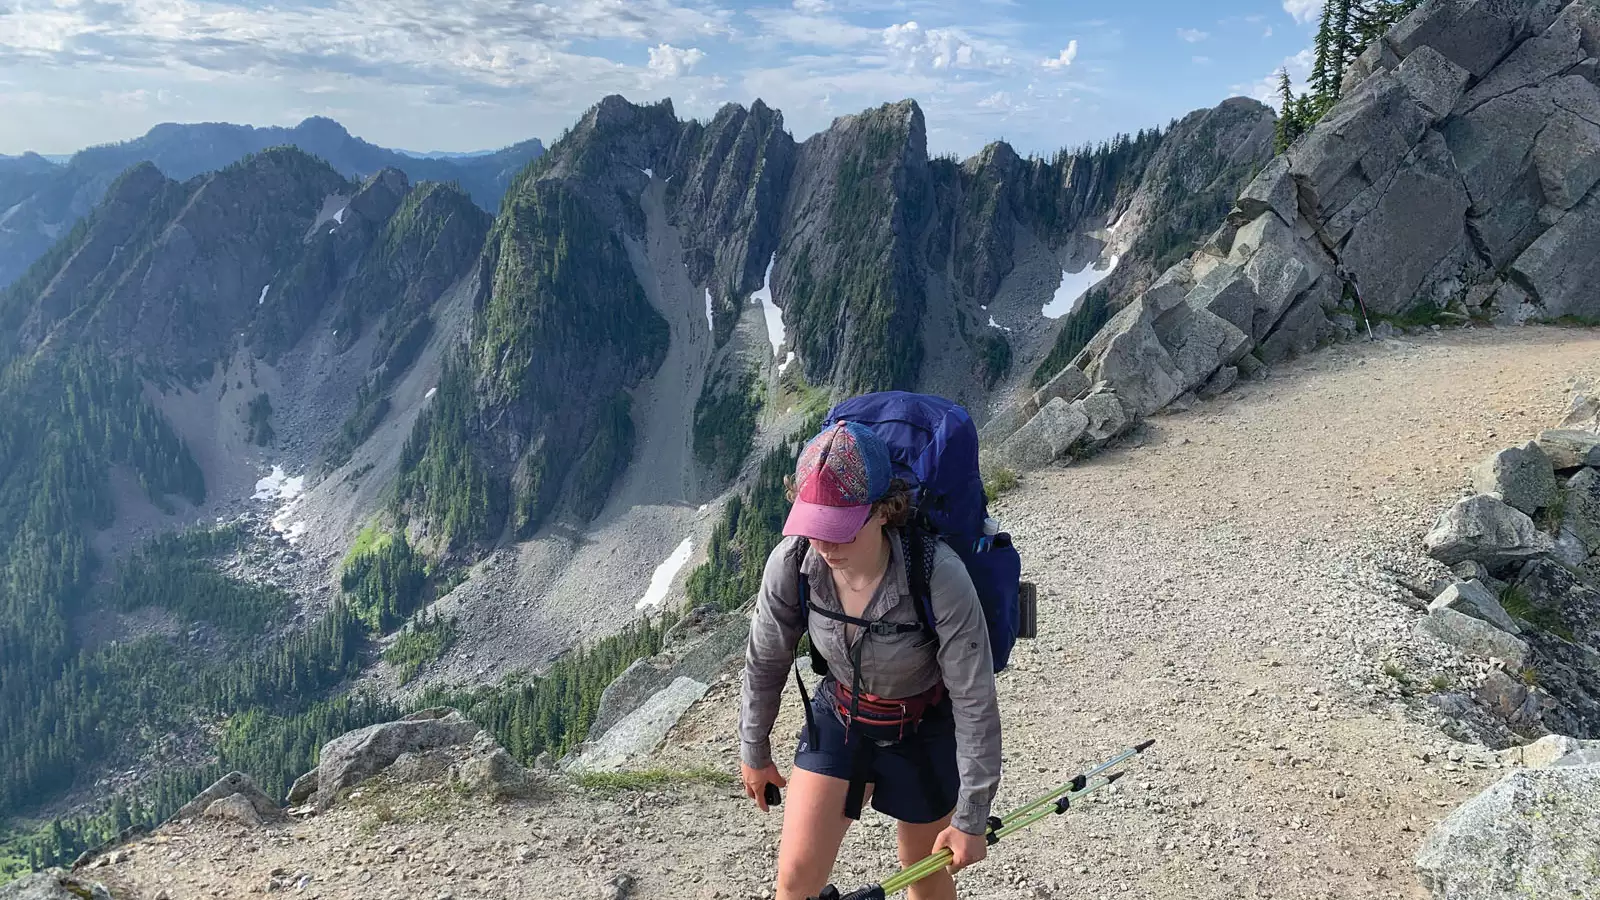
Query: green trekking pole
[1057, 801]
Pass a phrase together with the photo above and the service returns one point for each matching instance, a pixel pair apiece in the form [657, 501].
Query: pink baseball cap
[840, 474]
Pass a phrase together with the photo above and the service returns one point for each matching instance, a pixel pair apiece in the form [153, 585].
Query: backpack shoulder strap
[797, 558]
[920, 547]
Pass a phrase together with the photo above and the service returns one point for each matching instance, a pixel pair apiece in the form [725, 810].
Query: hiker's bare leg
[813, 828]
[916, 842]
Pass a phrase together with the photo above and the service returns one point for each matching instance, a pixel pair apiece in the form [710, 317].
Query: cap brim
[834, 524]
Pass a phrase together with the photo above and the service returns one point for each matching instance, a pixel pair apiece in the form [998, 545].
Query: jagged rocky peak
[381, 195]
[728, 199]
[851, 263]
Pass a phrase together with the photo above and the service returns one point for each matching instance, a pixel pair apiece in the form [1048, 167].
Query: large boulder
[1521, 476]
[350, 759]
[1069, 384]
[234, 809]
[1272, 190]
[638, 733]
[1567, 157]
[1552, 750]
[233, 785]
[1129, 356]
[1569, 448]
[1559, 601]
[1047, 436]
[490, 771]
[1433, 81]
[1532, 834]
[1563, 265]
[1278, 275]
[1536, 60]
[1473, 34]
[1485, 529]
[1473, 599]
[698, 648]
[53, 884]
[1105, 415]
[1305, 326]
[1581, 512]
[1225, 292]
[1475, 636]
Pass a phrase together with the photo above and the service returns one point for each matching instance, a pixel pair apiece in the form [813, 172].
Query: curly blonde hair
[894, 505]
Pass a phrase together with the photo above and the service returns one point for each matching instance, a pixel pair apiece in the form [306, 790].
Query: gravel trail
[1223, 588]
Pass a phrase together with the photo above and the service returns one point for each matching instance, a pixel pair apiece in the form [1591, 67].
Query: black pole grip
[774, 797]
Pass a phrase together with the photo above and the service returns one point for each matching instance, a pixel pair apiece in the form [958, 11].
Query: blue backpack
[933, 446]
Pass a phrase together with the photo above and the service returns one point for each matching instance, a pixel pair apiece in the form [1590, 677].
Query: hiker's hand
[756, 781]
[965, 849]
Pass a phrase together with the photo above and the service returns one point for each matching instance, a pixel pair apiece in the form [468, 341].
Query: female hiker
[907, 715]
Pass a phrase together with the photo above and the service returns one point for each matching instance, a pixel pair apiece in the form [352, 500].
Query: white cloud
[996, 100]
[1192, 35]
[668, 61]
[1266, 90]
[1201, 60]
[499, 43]
[1267, 33]
[1065, 58]
[1303, 11]
[807, 27]
[813, 6]
[940, 48]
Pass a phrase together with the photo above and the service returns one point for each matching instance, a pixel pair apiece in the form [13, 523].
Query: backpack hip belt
[872, 711]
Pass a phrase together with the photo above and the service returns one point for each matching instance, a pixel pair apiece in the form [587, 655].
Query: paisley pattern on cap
[848, 454]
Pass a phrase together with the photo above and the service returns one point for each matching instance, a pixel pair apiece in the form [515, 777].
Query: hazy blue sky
[471, 74]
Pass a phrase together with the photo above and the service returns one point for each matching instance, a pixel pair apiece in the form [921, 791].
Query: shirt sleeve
[775, 630]
[967, 664]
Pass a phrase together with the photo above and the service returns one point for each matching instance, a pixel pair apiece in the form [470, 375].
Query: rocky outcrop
[697, 648]
[1049, 435]
[636, 734]
[1533, 834]
[234, 796]
[54, 884]
[1530, 590]
[1522, 477]
[1485, 530]
[1456, 175]
[350, 759]
[729, 186]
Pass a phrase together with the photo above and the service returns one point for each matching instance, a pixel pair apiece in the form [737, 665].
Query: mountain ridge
[40, 201]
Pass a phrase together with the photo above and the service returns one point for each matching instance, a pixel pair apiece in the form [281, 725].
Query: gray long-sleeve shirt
[901, 665]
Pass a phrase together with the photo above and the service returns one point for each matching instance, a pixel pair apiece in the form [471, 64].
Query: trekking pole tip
[1112, 778]
[1140, 748]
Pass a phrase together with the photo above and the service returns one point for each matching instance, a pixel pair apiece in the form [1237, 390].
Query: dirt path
[1219, 589]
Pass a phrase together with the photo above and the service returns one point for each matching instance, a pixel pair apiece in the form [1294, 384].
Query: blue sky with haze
[475, 74]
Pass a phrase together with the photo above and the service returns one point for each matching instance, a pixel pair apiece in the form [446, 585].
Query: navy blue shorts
[914, 779]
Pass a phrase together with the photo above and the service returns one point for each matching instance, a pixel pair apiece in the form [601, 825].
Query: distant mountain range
[41, 199]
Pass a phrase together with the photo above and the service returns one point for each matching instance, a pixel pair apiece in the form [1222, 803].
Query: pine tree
[1288, 126]
[1323, 47]
[1346, 47]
